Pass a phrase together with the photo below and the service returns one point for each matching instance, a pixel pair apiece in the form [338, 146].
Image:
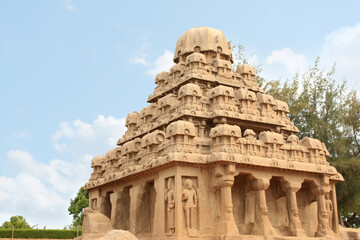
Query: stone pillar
[320, 190]
[290, 188]
[134, 206]
[113, 200]
[323, 227]
[225, 178]
[158, 221]
[263, 225]
[179, 218]
[335, 213]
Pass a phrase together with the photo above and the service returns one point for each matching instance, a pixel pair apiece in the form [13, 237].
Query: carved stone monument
[212, 156]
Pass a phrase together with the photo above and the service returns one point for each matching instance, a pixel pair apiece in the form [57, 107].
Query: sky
[71, 71]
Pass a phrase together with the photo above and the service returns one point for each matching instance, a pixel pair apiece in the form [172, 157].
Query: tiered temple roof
[197, 103]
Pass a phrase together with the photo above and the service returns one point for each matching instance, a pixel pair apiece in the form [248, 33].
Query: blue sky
[71, 71]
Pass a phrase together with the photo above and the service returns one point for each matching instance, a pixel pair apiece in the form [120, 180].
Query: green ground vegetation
[18, 227]
[40, 233]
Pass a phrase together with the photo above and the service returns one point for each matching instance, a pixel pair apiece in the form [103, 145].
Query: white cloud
[141, 57]
[162, 63]
[69, 6]
[342, 46]
[293, 62]
[41, 191]
[29, 196]
[80, 142]
[78, 137]
[142, 61]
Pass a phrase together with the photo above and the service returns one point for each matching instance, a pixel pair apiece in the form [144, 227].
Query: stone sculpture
[330, 210]
[189, 196]
[212, 156]
[170, 201]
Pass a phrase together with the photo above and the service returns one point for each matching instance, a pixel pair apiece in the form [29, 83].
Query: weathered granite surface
[214, 157]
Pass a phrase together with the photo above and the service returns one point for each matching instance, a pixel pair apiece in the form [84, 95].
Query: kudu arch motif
[213, 155]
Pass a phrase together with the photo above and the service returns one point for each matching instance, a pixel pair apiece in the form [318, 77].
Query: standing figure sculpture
[330, 209]
[170, 200]
[189, 196]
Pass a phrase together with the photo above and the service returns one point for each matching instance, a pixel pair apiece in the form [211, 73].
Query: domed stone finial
[202, 39]
[246, 71]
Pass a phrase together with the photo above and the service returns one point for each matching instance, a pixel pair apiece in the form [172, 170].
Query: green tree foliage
[17, 222]
[352, 123]
[322, 108]
[318, 109]
[348, 193]
[77, 206]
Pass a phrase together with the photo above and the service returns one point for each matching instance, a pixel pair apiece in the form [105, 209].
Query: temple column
[323, 227]
[158, 226]
[113, 201]
[263, 225]
[335, 209]
[225, 179]
[320, 191]
[179, 216]
[290, 188]
[134, 206]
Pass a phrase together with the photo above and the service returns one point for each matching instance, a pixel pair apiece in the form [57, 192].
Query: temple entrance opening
[122, 220]
[308, 209]
[243, 198]
[107, 205]
[277, 206]
[145, 213]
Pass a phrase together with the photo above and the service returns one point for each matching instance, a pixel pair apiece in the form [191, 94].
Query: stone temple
[212, 157]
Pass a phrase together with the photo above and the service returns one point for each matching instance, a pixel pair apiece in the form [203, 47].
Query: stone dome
[97, 161]
[206, 39]
[246, 69]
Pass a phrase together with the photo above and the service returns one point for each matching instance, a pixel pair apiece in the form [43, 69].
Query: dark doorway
[145, 213]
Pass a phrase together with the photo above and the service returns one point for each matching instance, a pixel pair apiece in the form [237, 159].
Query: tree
[77, 206]
[17, 222]
[352, 122]
[323, 109]
[348, 193]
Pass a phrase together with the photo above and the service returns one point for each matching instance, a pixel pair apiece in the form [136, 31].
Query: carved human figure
[330, 209]
[189, 197]
[170, 200]
[323, 215]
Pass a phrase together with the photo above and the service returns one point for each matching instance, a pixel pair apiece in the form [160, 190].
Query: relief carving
[190, 201]
[170, 206]
[330, 209]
